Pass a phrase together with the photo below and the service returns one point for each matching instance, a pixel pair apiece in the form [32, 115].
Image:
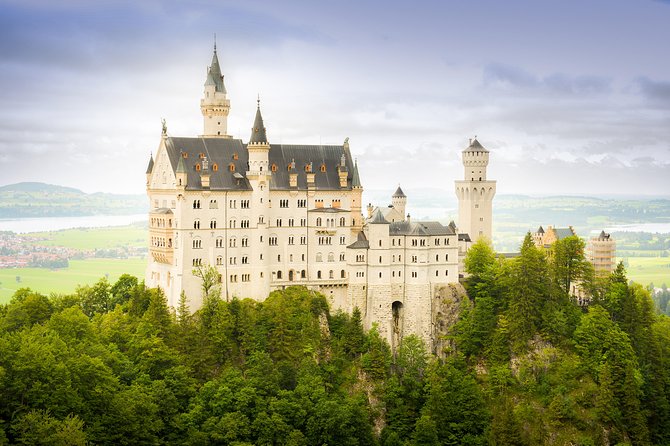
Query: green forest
[526, 364]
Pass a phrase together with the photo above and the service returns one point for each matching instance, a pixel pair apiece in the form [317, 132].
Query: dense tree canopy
[526, 365]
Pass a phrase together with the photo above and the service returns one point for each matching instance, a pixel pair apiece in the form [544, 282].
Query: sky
[569, 96]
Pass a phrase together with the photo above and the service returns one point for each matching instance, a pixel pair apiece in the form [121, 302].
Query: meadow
[646, 270]
[93, 238]
[66, 280]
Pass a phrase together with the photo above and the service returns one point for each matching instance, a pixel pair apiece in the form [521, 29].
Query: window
[446, 257]
[196, 204]
[380, 259]
[414, 259]
[414, 274]
[231, 167]
[331, 274]
[302, 203]
[323, 167]
[380, 274]
[213, 204]
[219, 242]
[423, 243]
[197, 167]
[212, 224]
[197, 243]
[290, 222]
[319, 257]
[318, 221]
[380, 243]
[232, 223]
[446, 272]
[303, 222]
[244, 224]
[245, 241]
[437, 257]
[197, 262]
[360, 258]
[331, 257]
[219, 260]
[291, 239]
[303, 240]
[244, 204]
[274, 167]
[342, 257]
[233, 204]
[481, 218]
[272, 240]
[318, 274]
[303, 274]
[245, 260]
[283, 203]
[196, 224]
[279, 222]
[279, 258]
[215, 167]
[232, 261]
[232, 242]
[246, 277]
[436, 273]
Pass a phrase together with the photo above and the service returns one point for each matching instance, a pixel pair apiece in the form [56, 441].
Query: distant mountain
[38, 200]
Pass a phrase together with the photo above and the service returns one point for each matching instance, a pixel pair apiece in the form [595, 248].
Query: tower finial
[258, 100]
[215, 42]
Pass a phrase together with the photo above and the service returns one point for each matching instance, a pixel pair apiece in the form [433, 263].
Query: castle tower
[475, 194]
[215, 105]
[258, 174]
[399, 201]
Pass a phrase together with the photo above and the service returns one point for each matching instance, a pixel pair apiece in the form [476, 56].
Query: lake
[26, 225]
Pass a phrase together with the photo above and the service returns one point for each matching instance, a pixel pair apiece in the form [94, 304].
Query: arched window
[323, 167]
[215, 167]
[342, 221]
[318, 221]
[343, 274]
[197, 167]
[303, 274]
[318, 274]
[331, 274]
[278, 274]
[274, 167]
[231, 167]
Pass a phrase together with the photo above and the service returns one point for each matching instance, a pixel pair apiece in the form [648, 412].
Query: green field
[93, 238]
[646, 270]
[80, 272]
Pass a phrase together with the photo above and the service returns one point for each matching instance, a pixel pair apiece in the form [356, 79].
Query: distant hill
[38, 200]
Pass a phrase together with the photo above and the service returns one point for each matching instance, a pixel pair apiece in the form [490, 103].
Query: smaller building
[601, 252]
[544, 239]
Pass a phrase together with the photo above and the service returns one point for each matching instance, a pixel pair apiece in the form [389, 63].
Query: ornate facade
[268, 216]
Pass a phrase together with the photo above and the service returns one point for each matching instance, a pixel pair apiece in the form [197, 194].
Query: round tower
[475, 193]
[399, 201]
[214, 104]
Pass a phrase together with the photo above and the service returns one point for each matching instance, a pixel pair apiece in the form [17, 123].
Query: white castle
[268, 216]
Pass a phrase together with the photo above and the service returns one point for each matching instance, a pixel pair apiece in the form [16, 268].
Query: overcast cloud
[571, 97]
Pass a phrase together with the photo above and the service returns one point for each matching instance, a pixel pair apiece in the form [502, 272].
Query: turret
[475, 193]
[215, 105]
[150, 168]
[399, 201]
[258, 146]
[180, 174]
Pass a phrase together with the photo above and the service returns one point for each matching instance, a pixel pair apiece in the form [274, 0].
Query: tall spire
[356, 180]
[258, 134]
[214, 75]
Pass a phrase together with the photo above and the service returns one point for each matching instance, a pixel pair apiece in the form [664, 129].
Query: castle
[268, 216]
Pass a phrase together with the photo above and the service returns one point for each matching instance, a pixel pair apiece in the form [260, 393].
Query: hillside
[38, 200]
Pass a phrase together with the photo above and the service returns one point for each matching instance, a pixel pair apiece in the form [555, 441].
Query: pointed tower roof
[180, 165]
[399, 193]
[214, 76]
[378, 217]
[258, 134]
[475, 146]
[540, 230]
[151, 164]
[356, 181]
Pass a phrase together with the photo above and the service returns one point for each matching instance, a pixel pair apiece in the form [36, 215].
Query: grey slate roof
[222, 151]
[399, 193]
[540, 230]
[420, 228]
[258, 134]
[361, 242]
[378, 218]
[475, 146]
[214, 75]
[356, 182]
[464, 237]
[151, 164]
[562, 233]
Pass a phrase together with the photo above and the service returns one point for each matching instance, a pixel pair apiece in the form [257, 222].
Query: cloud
[503, 77]
[657, 92]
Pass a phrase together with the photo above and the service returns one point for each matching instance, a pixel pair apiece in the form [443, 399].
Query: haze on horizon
[570, 97]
